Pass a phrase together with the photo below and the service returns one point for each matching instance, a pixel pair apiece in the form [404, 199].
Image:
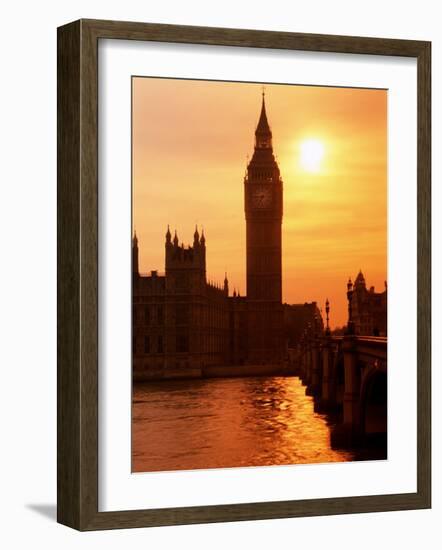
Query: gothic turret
[196, 237]
[181, 256]
[226, 285]
[135, 270]
[360, 280]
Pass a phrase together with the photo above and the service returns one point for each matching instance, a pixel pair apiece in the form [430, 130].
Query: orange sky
[190, 142]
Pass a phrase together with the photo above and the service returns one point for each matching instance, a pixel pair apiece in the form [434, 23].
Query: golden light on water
[229, 423]
[311, 153]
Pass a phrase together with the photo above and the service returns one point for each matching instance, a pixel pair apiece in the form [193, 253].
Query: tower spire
[263, 134]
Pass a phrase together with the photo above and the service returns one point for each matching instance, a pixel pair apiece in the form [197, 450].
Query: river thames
[228, 422]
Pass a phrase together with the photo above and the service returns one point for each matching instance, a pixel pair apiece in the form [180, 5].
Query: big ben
[263, 201]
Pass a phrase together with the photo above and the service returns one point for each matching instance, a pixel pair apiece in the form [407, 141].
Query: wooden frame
[77, 227]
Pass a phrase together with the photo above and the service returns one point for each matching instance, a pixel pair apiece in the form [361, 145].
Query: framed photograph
[243, 274]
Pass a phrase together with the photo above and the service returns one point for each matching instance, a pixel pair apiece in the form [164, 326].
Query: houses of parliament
[183, 324]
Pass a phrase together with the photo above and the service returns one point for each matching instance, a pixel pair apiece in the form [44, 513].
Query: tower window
[147, 315]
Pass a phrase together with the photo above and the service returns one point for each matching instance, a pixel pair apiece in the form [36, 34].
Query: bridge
[346, 375]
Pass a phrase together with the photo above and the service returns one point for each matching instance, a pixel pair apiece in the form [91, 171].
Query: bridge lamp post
[350, 325]
[327, 311]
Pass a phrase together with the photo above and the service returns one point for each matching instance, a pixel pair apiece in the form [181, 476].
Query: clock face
[261, 197]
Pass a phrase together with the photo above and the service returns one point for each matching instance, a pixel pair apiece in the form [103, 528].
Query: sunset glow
[311, 154]
[191, 141]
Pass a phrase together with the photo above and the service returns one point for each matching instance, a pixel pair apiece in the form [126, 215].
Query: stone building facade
[180, 321]
[368, 309]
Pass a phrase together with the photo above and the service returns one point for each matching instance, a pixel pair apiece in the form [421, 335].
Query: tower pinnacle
[263, 134]
[135, 270]
[168, 235]
[226, 285]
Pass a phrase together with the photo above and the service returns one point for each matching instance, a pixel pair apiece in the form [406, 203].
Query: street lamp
[327, 311]
[350, 325]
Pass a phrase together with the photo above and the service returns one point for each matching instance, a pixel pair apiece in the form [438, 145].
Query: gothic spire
[263, 124]
[196, 236]
[263, 134]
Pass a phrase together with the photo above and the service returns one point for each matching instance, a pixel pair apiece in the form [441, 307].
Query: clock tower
[263, 199]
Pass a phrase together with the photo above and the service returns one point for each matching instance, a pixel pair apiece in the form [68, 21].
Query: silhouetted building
[300, 319]
[181, 321]
[368, 308]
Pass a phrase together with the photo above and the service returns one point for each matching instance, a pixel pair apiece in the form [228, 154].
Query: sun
[311, 154]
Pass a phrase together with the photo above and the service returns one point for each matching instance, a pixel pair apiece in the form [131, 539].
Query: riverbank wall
[212, 371]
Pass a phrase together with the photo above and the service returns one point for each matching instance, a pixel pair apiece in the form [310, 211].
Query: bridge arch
[339, 377]
[374, 402]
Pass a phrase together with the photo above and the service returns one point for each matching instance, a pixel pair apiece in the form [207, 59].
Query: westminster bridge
[346, 375]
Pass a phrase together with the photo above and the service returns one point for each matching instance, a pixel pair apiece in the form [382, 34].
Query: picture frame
[78, 281]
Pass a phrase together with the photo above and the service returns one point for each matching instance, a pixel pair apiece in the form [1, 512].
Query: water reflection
[219, 423]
